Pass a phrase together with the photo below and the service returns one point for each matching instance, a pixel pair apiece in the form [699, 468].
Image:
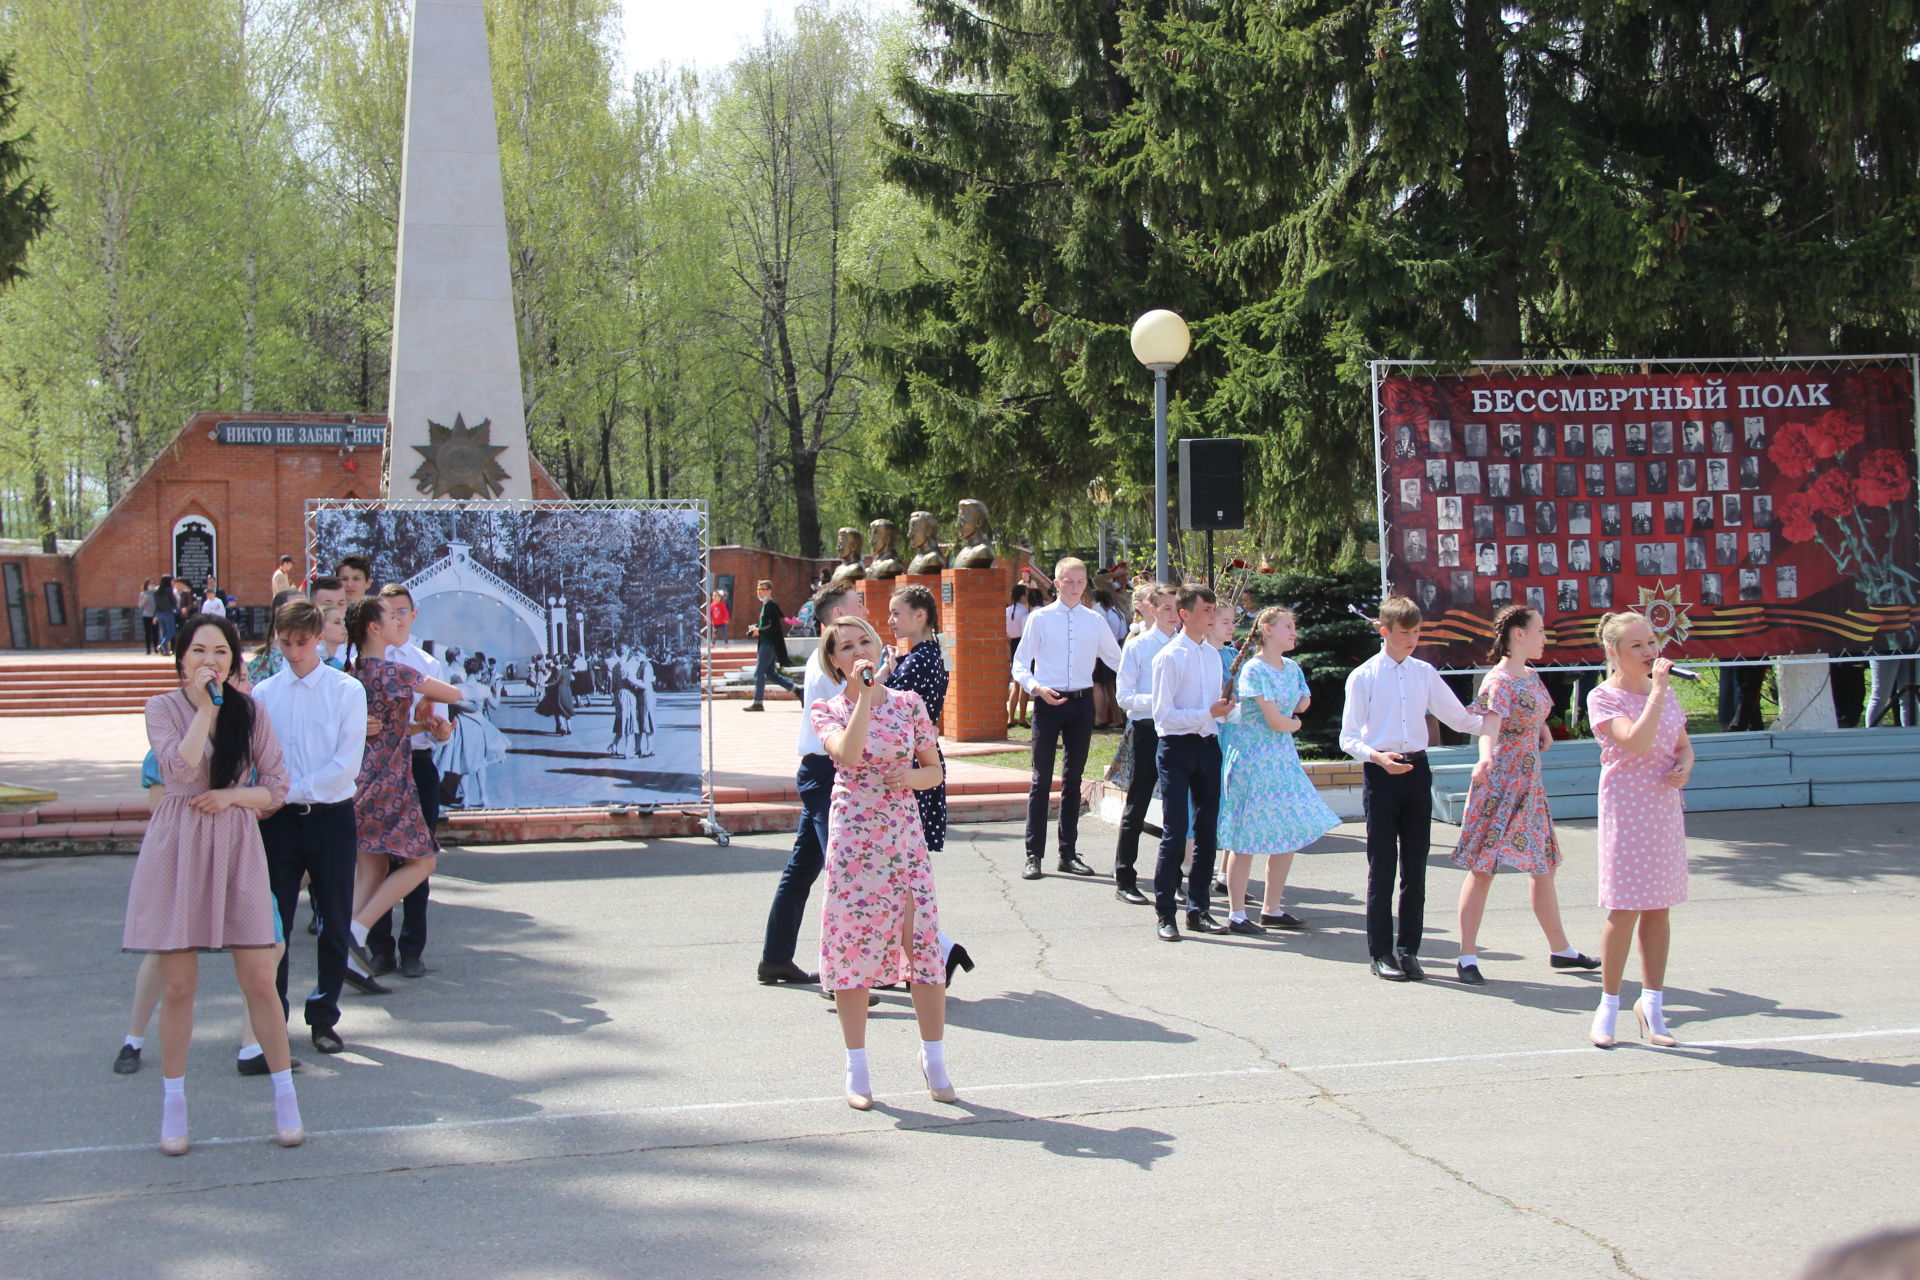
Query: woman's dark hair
[921, 600]
[233, 719]
[476, 664]
[1019, 594]
[362, 615]
[1505, 623]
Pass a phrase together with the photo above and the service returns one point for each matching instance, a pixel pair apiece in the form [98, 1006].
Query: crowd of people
[1209, 731]
[165, 603]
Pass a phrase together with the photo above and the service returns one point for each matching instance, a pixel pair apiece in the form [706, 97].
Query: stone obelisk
[457, 426]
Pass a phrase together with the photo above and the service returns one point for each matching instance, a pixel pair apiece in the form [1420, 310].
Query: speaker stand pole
[1210, 581]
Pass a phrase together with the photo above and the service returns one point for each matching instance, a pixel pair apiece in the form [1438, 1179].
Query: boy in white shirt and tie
[1187, 706]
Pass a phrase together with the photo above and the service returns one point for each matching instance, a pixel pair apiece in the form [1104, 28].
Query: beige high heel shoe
[1602, 1039]
[947, 1094]
[1647, 1033]
[290, 1137]
[860, 1101]
[174, 1146]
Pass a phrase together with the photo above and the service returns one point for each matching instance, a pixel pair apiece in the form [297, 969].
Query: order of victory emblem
[460, 461]
[1665, 612]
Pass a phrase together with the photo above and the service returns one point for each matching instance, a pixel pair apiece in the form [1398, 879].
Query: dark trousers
[1071, 722]
[1133, 817]
[815, 782]
[1399, 832]
[151, 630]
[1740, 689]
[319, 845]
[413, 907]
[1189, 801]
[768, 668]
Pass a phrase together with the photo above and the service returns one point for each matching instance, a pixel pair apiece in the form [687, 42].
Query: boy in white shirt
[1187, 707]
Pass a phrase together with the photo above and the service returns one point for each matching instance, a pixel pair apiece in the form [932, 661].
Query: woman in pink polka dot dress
[1645, 759]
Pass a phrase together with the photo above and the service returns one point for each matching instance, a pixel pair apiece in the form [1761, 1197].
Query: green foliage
[26, 205]
[1332, 641]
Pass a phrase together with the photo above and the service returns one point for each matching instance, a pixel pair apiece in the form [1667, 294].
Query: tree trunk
[1487, 177]
[804, 462]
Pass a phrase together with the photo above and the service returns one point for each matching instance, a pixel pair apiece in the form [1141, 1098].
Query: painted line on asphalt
[695, 1108]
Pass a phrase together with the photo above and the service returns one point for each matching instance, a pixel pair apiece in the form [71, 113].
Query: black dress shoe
[414, 967]
[1385, 967]
[1410, 965]
[1220, 886]
[1168, 930]
[1469, 974]
[358, 950]
[257, 1065]
[1032, 870]
[1127, 893]
[327, 1040]
[958, 958]
[1284, 920]
[313, 926]
[1203, 922]
[381, 966]
[1246, 927]
[1074, 867]
[127, 1062]
[786, 971]
[1575, 961]
[366, 986]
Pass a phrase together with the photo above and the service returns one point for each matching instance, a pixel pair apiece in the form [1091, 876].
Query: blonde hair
[1257, 639]
[1065, 563]
[1609, 630]
[1143, 598]
[829, 634]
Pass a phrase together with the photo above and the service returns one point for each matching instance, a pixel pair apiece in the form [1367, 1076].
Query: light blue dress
[1267, 802]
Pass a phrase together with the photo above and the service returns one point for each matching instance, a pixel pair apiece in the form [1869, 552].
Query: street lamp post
[1160, 341]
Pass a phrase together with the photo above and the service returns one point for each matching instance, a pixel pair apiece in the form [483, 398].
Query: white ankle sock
[359, 931]
[248, 1051]
[933, 1063]
[1468, 957]
[136, 1042]
[1236, 915]
[857, 1081]
[286, 1107]
[173, 1107]
[946, 946]
[1654, 1005]
[1603, 1017]
[1569, 953]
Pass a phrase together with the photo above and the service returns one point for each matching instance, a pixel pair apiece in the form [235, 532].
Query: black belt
[1075, 693]
[423, 751]
[1408, 756]
[299, 810]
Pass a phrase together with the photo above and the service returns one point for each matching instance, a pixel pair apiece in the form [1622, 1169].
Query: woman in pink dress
[1507, 821]
[1645, 759]
[200, 883]
[386, 806]
[879, 923]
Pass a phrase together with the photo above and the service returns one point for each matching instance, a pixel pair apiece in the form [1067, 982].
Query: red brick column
[877, 592]
[973, 611]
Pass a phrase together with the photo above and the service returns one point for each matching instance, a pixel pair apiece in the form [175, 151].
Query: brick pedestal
[878, 593]
[973, 612]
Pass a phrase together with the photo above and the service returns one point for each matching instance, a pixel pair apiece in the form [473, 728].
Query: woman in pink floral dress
[1645, 759]
[879, 923]
[1507, 820]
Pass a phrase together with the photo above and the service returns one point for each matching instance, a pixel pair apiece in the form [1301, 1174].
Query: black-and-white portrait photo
[578, 632]
[1474, 434]
[1722, 437]
[1610, 526]
[1499, 594]
[1466, 477]
[1759, 548]
[1749, 586]
[1543, 439]
[1439, 476]
[1510, 440]
[1596, 479]
[1580, 556]
[1486, 558]
[1610, 555]
[1499, 479]
[1426, 593]
[1686, 474]
[1536, 598]
[1636, 433]
[1729, 509]
[1642, 519]
[1750, 472]
[1657, 476]
[1460, 586]
[1439, 435]
[1763, 511]
[1666, 558]
[1566, 479]
[1447, 513]
[1603, 439]
[1753, 430]
[1711, 592]
[1547, 560]
[1403, 442]
[1580, 519]
[1518, 557]
[1726, 550]
[1646, 559]
[1599, 593]
[1410, 494]
[1702, 514]
[1414, 543]
[1662, 436]
[1693, 437]
[1626, 479]
[1567, 598]
[1573, 436]
[1514, 523]
[1533, 479]
[1448, 550]
[1786, 582]
[1485, 522]
[1717, 475]
[1676, 516]
[1696, 553]
[1545, 518]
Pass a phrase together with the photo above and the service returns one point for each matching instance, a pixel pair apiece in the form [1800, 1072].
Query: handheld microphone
[1683, 673]
[865, 672]
[1360, 613]
[214, 691]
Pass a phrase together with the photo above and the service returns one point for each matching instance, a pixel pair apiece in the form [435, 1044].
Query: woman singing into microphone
[879, 922]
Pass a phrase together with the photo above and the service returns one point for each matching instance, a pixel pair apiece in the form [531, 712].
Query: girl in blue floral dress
[1268, 805]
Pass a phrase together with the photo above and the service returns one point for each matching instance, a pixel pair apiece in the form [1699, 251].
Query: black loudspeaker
[1213, 491]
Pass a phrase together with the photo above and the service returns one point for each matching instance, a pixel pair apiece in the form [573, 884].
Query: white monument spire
[456, 360]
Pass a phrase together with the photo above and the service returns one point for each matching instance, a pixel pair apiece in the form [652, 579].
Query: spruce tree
[26, 204]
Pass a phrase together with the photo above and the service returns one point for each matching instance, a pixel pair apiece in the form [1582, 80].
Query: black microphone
[213, 691]
[1683, 673]
[865, 672]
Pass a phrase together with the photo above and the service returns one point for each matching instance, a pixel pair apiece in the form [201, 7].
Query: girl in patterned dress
[1507, 820]
[1268, 805]
[1645, 759]
[879, 922]
[386, 805]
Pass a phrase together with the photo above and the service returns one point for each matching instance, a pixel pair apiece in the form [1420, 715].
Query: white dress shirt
[412, 655]
[321, 721]
[1186, 684]
[1387, 706]
[1017, 620]
[1058, 647]
[1134, 686]
[215, 606]
[820, 687]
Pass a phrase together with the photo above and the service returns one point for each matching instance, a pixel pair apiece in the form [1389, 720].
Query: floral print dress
[386, 805]
[877, 867]
[1507, 820]
[1268, 804]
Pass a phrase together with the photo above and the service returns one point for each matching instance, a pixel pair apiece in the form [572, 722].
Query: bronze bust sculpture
[885, 563]
[974, 536]
[923, 536]
[850, 569]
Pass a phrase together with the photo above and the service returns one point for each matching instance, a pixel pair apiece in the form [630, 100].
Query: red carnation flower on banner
[1796, 518]
[1832, 494]
[1883, 478]
[1834, 432]
[1792, 450]
[1238, 564]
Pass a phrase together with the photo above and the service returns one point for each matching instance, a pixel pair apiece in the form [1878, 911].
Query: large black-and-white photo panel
[575, 632]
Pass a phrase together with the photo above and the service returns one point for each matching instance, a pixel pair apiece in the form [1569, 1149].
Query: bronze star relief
[460, 461]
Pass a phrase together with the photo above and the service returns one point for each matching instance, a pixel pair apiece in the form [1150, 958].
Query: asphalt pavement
[590, 1083]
